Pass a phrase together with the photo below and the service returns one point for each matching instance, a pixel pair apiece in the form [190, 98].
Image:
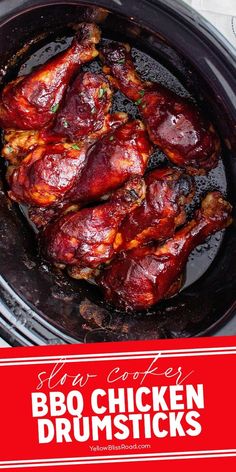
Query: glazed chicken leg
[162, 210]
[30, 102]
[174, 124]
[46, 174]
[112, 161]
[107, 166]
[87, 238]
[82, 117]
[139, 278]
[86, 104]
[49, 172]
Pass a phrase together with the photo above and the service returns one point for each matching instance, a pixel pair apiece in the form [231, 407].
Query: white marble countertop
[222, 14]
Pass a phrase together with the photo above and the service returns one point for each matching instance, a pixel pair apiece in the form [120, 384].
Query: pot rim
[184, 12]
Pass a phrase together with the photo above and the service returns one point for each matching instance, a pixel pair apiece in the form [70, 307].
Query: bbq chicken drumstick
[46, 174]
[86, 104]
[139, 278]
[86, 238]
[78, 173]
[175, 125]
[83, 117]
[112, 161]
[30, 102]
[162, 211]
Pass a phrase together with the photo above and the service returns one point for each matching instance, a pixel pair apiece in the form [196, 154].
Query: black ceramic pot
[173, 45]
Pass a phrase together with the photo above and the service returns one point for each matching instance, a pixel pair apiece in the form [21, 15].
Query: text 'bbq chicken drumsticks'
[87, 238]
[174, 124]
[112, 161]
[139, 278]
[30, 101]
[162, 211]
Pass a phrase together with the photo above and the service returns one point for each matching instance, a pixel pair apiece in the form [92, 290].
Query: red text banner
[120, 404]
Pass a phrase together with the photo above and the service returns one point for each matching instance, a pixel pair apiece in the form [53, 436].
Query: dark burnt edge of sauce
[42, 48]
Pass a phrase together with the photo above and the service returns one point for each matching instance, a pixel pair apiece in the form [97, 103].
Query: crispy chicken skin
[174, 124]
[86, 104]
[30, 102]
[46, 174]
[41, 216]
[168, 190]
[18, 143]
[112, 161]
[87, 238]
[139, 278]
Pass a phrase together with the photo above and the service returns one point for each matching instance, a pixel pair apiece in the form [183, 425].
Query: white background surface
[222, 14]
